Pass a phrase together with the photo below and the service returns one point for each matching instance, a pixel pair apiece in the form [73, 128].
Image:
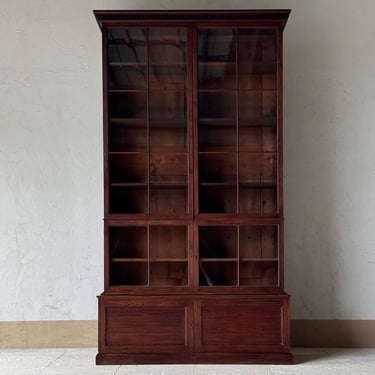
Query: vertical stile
[148, 120]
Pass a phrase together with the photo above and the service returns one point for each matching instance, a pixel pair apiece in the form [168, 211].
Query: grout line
[49, 364]
[117, 370]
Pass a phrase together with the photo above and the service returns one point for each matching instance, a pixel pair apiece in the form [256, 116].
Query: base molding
[178, 358]
[84, 333]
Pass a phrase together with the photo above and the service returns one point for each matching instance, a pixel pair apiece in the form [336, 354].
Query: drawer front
[242, 325]
[145, 325]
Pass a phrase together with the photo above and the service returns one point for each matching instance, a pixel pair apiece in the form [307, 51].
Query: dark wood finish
[193, 208]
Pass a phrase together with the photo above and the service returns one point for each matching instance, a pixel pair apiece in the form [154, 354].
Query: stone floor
[307, 361]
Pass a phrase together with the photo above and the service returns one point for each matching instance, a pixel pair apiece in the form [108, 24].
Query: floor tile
[78, 362]
[27, 361]
[307, 361]
[232, 370]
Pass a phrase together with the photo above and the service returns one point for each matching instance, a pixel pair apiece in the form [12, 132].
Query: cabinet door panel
[146, 324]
[241, 325]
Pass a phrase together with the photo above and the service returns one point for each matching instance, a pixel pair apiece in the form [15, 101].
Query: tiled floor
[82, 362]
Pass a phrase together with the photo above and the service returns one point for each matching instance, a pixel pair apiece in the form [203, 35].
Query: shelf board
[258, 185]
[127, 64]
[259, 259]
[127, 152]
[128, 121]
[256, 67]
[168, 260]
[122, 91]
[175, 123]
[258, 122]
[217, 62]
[219, 121]
[129, 260]
[218, 259]
[218, 184]
[174, 64]
[222, 91]
[217, 152]
[168, 185]
[168, 149]
[159, 185]
[152, 260]
[129, 184]
[214, 149]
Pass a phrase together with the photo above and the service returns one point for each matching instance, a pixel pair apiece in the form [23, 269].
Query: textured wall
[51, 166]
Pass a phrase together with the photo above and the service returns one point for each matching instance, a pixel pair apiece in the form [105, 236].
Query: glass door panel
[147, 120]
[237, 121]
[238, 255]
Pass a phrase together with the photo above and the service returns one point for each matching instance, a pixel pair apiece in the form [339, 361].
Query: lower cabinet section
[193, 329]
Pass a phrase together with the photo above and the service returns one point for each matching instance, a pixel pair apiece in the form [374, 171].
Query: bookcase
[193, 210]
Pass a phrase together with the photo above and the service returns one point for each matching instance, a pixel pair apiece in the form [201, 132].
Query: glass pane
[127, 57]
[257, 168]
[168, 243]
[216, 45]
[217, 199]
[128, 106]
[217, 75]
[167, 77]
[168, 274]
[168, 108]
[128, 255]
[218, 255]
[166, 200]
[128, 242]
[217, 242]
[129, 273]
[168, 256]
[258, 246]
[257, 45]
[128, 200]
[167, 45]
[127, 45]
[128, 168]
[218, 273]
[217, 106]
[127, 137]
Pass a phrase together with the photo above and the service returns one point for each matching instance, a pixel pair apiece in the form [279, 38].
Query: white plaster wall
[51, 165]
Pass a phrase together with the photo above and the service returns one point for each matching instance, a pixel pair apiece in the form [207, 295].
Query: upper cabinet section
[192, 110]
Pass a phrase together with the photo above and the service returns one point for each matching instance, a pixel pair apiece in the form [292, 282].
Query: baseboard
[84, 333]
[333, 333]
[49, 334]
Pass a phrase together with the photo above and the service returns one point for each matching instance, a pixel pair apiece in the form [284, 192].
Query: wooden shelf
[168, 260]
[128, 121]
[259, 259]
[135, 260]
[218, 259]
[219, 121]
[129, 184]
[127, 64]
[226, 184]
[122, 91]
